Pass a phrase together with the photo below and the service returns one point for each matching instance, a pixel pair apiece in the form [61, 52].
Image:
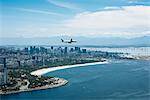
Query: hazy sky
[46, 18]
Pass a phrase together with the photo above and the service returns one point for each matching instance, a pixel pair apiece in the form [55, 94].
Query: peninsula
[24, 69]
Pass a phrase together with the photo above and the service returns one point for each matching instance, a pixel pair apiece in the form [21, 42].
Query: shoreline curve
[62, 83]
[47, 70]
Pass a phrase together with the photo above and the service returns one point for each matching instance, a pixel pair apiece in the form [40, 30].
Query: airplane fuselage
[67, 41]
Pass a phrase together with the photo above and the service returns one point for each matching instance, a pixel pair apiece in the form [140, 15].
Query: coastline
[47, 70]
[62, 82]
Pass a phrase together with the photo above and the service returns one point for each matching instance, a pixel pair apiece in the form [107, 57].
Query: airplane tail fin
[71, 40]
[62, 40]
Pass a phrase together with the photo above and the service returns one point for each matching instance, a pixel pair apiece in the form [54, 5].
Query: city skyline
[46, 18]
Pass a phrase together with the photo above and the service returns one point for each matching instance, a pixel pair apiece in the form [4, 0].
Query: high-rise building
[5, 72]
[77, 49]
[31, 49]
[65, 50]
[52, 47]
[71, 50]
[19, 63]
[34, 49]
[37, 50]
[83, 50]
[26, 50]
[43, 61]
[1, 78]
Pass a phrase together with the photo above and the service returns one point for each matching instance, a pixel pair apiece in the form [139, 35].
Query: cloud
[38, 11]
[137, 2]
[131, 16]
[128, 20]
[112, 8]
[64, 5]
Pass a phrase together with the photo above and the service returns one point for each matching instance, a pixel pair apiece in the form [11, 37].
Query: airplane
[67, 41]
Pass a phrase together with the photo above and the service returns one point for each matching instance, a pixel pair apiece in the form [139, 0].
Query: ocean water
[119, 80]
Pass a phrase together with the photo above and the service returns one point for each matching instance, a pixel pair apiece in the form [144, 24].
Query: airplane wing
[62, 40]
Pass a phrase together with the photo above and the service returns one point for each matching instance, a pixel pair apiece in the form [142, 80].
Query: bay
[119, 80]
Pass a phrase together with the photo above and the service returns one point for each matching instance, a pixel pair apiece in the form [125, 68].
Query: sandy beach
[60, 81]
[46, 70]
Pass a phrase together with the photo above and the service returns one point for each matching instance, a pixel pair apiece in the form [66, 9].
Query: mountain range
[84, 41]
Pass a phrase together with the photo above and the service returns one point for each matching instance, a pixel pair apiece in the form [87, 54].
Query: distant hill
[97, 41]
